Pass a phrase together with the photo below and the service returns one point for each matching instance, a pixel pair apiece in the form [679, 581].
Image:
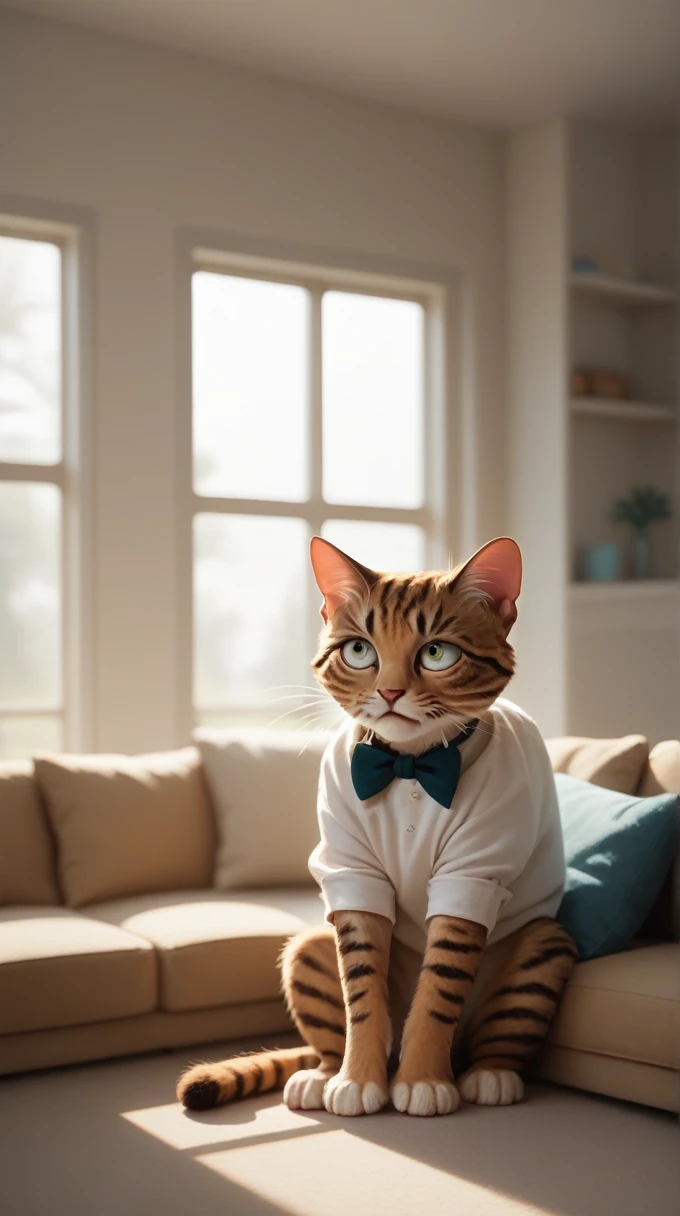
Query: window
[310, 414]
[34, 537]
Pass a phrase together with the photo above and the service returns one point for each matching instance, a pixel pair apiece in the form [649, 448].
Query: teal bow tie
[438, 770]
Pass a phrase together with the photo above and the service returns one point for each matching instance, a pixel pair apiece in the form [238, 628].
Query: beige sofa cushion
[216, 949]
[624, 1005]
[626, 1079]
[146, 1032]
[616, 764]
[264, 788]
[59, 968]
[662, 773]
[27, 857]
[128, 824]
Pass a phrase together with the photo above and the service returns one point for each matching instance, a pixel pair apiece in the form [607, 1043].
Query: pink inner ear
[497, 570]
[336, 575]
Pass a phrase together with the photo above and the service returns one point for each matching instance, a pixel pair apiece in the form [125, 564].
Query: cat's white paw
[492, 1087]
[425, 1097]
[345, 1097]
[304, 1090]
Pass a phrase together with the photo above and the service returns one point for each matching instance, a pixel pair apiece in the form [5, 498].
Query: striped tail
[206, 1085]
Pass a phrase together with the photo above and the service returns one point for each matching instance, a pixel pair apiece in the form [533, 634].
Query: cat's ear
[495, 571]
[338, 577]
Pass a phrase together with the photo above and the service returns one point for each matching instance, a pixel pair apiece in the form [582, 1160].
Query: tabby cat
[440, 860]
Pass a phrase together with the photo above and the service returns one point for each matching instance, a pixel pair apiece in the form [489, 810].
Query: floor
[108, 1140]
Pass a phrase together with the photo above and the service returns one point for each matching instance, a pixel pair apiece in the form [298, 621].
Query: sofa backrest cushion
[128, 825]
[264, 789]
[662, 775]
[28, 872]
[615, 764]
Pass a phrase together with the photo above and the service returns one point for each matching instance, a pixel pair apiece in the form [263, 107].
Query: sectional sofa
[144, 902]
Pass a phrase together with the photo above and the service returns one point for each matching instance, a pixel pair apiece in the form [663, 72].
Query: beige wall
[152, 141]
[536, 344]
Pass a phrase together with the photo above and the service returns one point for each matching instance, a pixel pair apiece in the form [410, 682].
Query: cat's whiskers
[296, 709]
[315, 734]
[310, 720]
[292, 696]
[302, 687]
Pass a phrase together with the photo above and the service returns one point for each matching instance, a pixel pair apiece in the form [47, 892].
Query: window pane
[372, 400]
[250, 377]
[397, 547]
[250, 595]
[21, 737]
[30, 351]
[30, 594]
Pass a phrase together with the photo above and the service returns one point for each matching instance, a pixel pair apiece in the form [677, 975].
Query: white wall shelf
[599, 659]
[624, 590]
[623, 410]
[629, 293]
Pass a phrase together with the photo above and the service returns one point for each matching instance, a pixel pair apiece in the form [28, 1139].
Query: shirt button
[415, 794]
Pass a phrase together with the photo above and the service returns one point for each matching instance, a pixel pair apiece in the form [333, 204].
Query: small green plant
[643, 506]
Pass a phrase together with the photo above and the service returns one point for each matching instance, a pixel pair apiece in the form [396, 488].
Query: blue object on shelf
[602, 563]
[584, 266]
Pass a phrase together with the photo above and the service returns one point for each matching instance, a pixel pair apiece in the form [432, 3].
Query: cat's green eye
[438, 656]
[359, 654]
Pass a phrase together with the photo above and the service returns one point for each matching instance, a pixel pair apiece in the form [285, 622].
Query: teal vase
[602, 563]
[642, 555]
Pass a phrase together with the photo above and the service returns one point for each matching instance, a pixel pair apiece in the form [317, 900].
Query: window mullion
[315, 458]
[50, 474]
[315, 465]
[67, 565]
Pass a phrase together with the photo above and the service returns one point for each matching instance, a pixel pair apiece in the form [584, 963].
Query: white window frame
[71, 232]
[443, 391]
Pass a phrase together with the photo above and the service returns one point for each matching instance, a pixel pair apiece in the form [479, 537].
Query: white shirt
[495, 856]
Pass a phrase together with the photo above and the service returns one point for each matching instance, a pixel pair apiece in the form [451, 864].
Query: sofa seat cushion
[625, 1005]
[59, 968]
[215, 948]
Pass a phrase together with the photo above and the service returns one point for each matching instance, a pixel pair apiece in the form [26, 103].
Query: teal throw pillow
[618, 849]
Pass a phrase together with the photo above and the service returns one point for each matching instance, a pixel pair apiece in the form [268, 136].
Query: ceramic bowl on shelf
[580, 383]
[591, 382]
[609, 384]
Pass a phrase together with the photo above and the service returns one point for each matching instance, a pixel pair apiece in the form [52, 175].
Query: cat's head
[412, 656]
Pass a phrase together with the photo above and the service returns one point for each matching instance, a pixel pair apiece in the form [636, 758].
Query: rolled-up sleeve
[343, 863]
[477, 899]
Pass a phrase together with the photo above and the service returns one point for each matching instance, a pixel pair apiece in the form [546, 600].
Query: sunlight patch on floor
[341, 1173]
[173, 1126]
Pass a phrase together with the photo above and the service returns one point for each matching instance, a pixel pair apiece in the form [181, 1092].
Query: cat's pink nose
[391, 694]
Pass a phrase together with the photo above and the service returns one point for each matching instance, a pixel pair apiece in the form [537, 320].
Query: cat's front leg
[363, 946]
[424, 1084]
